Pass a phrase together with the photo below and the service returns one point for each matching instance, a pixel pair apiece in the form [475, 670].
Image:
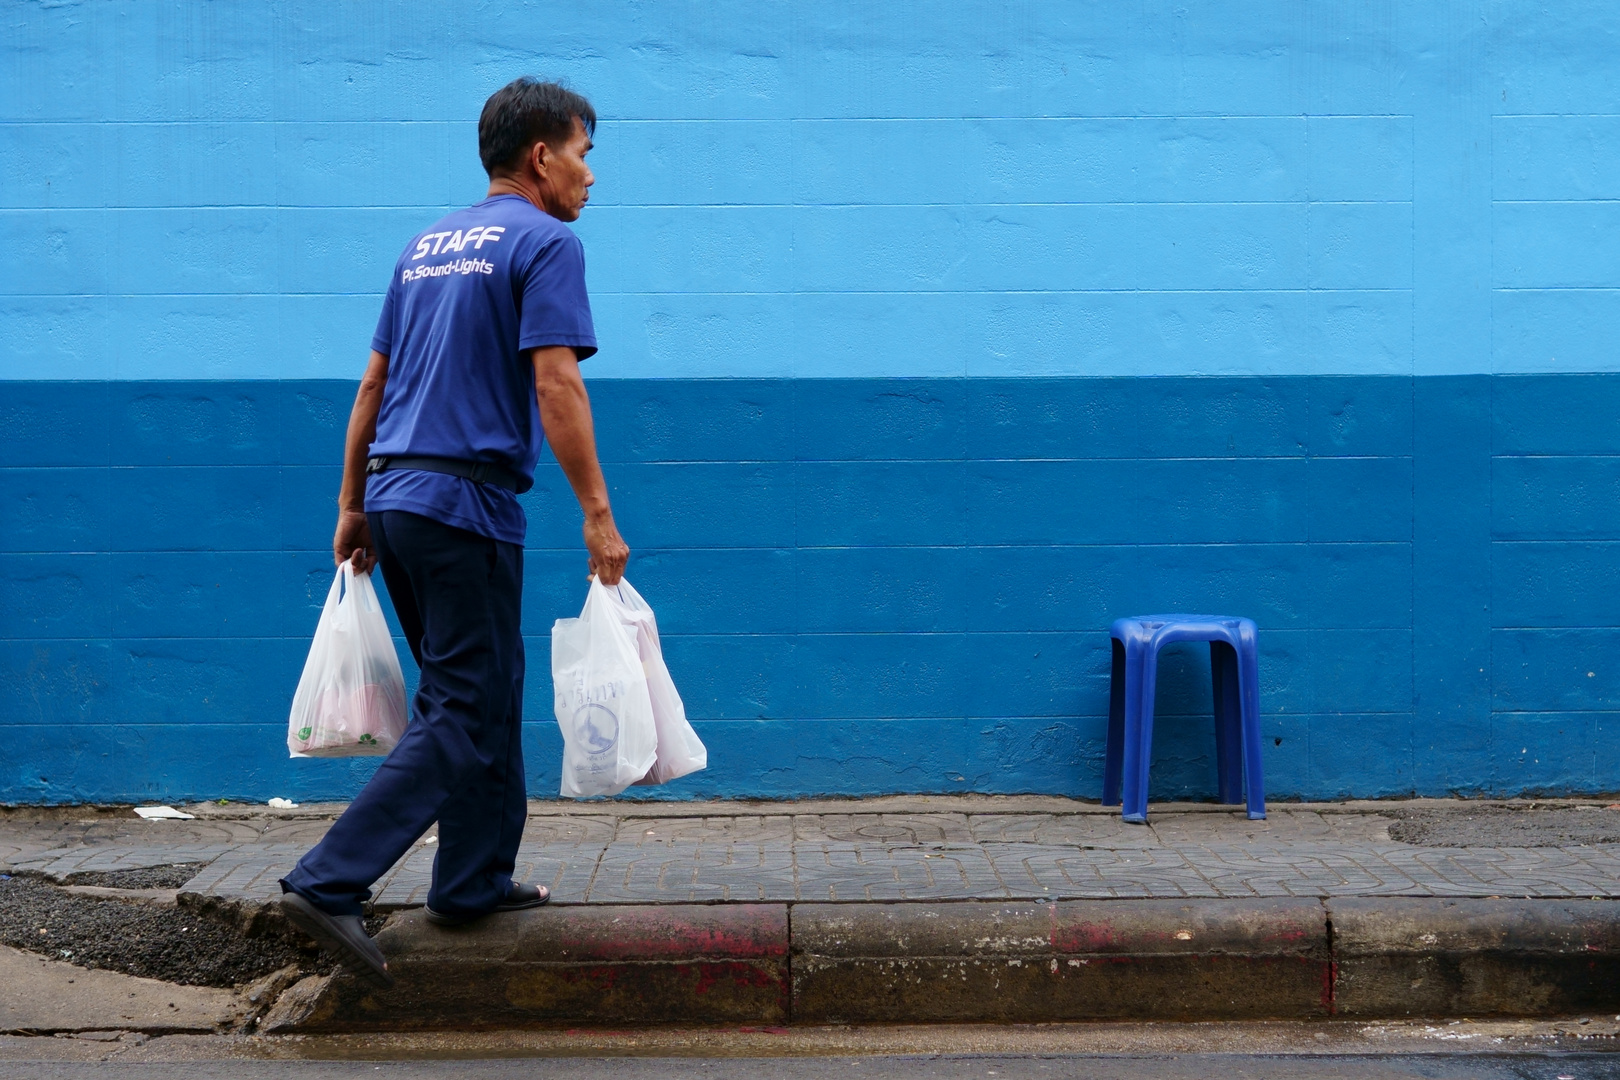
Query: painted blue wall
[933, 339]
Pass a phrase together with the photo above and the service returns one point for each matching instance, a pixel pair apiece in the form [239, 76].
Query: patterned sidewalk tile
[745, 872]
[1031, 870]
[35, 838]
[1142, 874]
[407, 881]
[1309, 870]
[685, 872]
[248, 872]
[1234, 827]
[1064, 830]
[568, 829]
[1359, 828]
[894, 829]
[1532, 871]
[564, 869]
[1468, 872]
[738, 830]
[136, 832]
[307, 832]
[1604, 857]
[874, 872]
[1361, 872]
[841, 857]
[61, 862]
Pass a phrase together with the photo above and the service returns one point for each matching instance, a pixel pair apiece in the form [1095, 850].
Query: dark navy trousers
[460, 763]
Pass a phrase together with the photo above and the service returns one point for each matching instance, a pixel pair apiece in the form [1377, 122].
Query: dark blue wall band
[871, 585]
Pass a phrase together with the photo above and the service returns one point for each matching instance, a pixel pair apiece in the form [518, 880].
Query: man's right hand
[607, 548]
[352, 541]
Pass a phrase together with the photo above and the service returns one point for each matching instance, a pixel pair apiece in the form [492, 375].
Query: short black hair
[526, 111]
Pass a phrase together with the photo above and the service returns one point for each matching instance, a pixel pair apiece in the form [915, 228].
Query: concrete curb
[1399, 957]
[976, 961]
[584, 964]
[1020, 962]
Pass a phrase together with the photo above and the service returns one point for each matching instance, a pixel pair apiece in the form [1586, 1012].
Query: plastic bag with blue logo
[351, 698]
[680, 751]
[602, 702]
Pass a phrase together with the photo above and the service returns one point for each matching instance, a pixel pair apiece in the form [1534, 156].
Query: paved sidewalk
[923, 848]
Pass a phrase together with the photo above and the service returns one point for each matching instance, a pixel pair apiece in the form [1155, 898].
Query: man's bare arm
[353, 537]
[565, 411]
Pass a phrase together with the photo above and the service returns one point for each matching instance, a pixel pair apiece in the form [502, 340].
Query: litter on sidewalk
[163, 813]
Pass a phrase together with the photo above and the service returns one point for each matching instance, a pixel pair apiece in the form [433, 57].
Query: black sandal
[521, 898]
[344, 936]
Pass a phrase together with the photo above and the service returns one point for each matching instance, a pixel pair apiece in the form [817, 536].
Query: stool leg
[1139, 733]
[1114, 755]
[1223, 669]
[1249, 690]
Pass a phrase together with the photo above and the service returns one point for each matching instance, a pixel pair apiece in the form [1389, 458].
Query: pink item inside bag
[350, 700]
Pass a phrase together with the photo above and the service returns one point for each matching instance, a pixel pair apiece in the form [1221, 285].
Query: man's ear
[538, 154]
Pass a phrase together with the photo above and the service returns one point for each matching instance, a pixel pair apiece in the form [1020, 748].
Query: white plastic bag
[602, 702]
[680, 751]
[351, 698]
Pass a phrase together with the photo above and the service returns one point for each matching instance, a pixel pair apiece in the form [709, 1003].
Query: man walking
[475, 360]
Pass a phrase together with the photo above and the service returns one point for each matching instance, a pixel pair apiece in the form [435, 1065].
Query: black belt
[484, 472]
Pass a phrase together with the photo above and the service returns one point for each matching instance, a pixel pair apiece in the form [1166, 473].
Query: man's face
[565, 179]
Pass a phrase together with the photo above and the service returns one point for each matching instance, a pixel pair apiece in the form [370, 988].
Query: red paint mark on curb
[730, 974]
[706, 976]
[1330, 979]
[733, 931]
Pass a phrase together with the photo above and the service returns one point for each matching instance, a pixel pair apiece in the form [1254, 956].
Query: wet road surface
[1467, 1066]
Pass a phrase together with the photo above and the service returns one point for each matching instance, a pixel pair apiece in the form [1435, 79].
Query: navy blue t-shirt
[469, 298]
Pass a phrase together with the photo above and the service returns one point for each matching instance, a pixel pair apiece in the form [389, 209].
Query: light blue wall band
[190, 191]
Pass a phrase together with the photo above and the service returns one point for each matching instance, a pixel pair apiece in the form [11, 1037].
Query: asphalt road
[1467, 1066]
[1461, 824]
[154, 942]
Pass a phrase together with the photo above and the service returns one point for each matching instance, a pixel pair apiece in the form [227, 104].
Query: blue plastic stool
[1235, 667]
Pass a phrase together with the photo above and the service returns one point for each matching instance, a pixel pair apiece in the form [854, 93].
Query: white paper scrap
[163, 813]
[283, 804]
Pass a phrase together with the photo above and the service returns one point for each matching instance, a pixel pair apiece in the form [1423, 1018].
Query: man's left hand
[352, 541]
